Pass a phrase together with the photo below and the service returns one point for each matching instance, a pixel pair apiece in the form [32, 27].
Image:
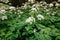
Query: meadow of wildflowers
[38, 21]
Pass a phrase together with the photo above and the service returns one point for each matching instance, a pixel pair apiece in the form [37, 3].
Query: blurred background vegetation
[20, 2]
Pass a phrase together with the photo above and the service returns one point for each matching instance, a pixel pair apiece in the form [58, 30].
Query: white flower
[44, 3]
[41, 5]
[20, 12]
[56, 7]
[40, 17]
[4, 17]
[33, 5]
[53, 13]
[31, 1]
[25, 6]
[41, 2]
[19, 15]
[5, 1]
[45, 7]
[34, 9]
[30, 20]
[48, 13]
[12, 8]
[57, 4]
[50, 5]
[34, 30]
[47, 10]
[2, 11]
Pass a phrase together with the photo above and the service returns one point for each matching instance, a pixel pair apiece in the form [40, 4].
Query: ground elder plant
[39, 21]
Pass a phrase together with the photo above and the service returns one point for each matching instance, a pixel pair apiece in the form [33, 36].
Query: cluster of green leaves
[15, 27]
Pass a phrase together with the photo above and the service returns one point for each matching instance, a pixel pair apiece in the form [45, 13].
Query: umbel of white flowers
[57, 4]
[31, 1]
[51, 5]
[4, 17]
[30, 20]
[6, 1]
[40, 17]
[12, 8]
[33, 9]
[2, 11]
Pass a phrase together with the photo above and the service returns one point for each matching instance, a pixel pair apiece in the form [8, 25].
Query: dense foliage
[40, 21]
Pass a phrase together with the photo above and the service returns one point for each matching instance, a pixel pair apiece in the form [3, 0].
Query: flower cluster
[12, 8]
[30, 20]
[31, 1]
[4, 17]
[33, 9]
[2, 11]
[40, 17]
